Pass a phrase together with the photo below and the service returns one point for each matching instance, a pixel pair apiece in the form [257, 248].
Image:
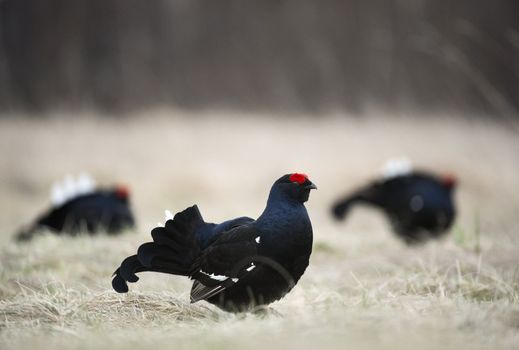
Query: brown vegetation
[364, 289]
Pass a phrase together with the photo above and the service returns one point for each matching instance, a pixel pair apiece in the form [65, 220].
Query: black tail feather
[129, 267]
[118, 283]
[174, 249]
[147, 253]
[127, 272]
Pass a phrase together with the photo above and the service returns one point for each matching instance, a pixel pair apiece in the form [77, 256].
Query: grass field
[363, 289]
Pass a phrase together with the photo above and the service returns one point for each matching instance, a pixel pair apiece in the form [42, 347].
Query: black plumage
[240, 263]
[103, 210]
[419, 205]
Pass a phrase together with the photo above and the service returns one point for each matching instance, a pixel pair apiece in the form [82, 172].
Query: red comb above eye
[299, 178]
[122, 191]
[449, 180]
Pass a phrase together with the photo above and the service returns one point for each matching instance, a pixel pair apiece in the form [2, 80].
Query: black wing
[224, 262]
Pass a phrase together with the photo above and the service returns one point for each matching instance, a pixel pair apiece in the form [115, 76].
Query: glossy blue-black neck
[284, 210]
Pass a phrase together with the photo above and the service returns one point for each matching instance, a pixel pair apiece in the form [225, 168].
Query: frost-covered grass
[363, 289]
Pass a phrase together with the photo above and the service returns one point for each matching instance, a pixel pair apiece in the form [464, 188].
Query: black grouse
[236, 265]
[419, 205]
[78, 207]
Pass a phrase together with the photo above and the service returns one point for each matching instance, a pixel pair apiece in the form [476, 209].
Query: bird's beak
[310, 186]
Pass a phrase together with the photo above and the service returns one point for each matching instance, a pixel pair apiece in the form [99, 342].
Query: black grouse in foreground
[238, 264]
[419, 205]
[79, 207]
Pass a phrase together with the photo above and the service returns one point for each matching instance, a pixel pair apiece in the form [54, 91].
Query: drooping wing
[225, 262]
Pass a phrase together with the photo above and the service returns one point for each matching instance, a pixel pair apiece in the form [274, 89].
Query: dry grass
[363, 289]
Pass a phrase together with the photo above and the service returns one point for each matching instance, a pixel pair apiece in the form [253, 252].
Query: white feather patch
[257, 239]
[215, 277]
[57, 196]
[396, 167]
[70, 188]
[416, 203]
[235, 279]
[251, 267]
[169, 215]
[85, 184]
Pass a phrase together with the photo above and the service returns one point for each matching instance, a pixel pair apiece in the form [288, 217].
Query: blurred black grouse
[419, 205]
[238, 264]
[78, 207]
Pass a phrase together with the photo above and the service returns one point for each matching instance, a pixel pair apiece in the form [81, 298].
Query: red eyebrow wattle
[299, 178]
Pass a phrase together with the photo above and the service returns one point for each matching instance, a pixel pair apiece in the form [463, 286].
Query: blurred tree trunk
[263, 54]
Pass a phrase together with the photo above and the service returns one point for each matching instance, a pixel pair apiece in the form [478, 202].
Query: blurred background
[181, 98]
[209, 102]
[169, 95]
[274, 55]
